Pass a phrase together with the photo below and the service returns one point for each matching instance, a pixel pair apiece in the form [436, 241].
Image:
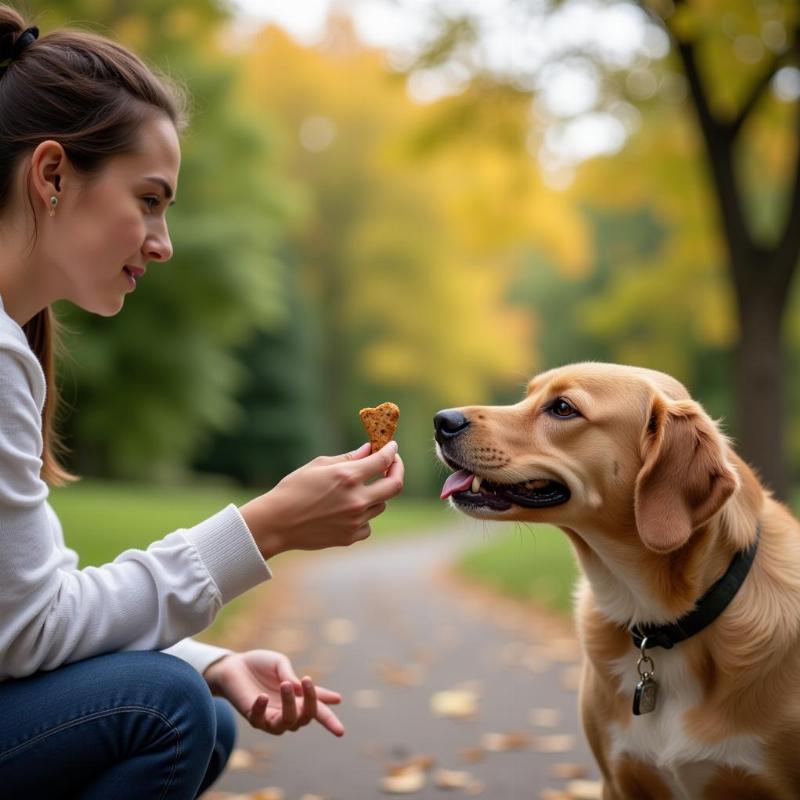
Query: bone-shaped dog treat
[380, 423]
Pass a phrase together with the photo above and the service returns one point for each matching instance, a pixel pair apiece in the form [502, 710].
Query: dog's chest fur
[660, 738]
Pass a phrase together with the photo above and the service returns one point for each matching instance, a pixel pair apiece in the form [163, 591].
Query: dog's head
[591, 443]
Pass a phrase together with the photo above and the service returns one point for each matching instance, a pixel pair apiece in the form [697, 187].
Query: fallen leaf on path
[366, 698]
[544, 717]
[409, 781]
[500, 742]
[554, 794]
[400, 675]
[269, 793]
[568, 770]
[557, 743]
[340, 631]
[423, 762]
[455, 703]
[585, 790]
[455, 779]
[241, 759]
[472, 755]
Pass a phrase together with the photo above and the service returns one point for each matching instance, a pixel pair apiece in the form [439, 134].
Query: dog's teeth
[476, 484]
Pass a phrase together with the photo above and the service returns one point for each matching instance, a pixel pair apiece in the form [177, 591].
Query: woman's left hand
[262, 686]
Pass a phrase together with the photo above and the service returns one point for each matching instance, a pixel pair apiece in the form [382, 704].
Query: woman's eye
[151, 202]
[563, 408]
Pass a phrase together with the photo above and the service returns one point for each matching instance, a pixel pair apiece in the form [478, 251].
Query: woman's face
[111, 226]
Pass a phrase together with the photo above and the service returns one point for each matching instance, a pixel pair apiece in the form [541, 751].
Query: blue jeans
[136, 724]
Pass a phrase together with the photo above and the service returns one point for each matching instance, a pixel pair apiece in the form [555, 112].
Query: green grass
[100, 519]
[528, 562]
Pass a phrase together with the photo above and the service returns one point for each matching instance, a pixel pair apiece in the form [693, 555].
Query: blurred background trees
[729, 61]
[355, 226]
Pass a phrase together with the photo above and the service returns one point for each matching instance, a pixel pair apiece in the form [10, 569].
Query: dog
[688, 605]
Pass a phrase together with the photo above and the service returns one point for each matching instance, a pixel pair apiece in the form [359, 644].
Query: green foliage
[413, 253]
[151, 383]
[398, 307]
[275, 429]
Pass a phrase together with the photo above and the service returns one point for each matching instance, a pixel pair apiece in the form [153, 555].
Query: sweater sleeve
[199, 654]
[52, 613]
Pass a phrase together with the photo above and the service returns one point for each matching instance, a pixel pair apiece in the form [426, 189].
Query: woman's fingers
[374, 511]
[329, 720]
[376, 464]
[256, 713]
[386, 487]
[288, 705]
[309, 711]
[328, 696]
[259, 717]
[353, 455]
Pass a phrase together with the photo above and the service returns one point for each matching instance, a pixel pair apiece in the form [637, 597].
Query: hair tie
[26, 38]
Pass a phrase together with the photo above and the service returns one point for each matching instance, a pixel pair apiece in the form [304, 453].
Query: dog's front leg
[592, 698]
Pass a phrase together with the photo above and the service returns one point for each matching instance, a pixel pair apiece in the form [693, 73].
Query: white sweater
[51, 612]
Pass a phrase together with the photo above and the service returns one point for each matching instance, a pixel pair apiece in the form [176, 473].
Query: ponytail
[42, 332]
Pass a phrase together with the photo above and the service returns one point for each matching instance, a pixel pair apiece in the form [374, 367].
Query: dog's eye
[563, 408]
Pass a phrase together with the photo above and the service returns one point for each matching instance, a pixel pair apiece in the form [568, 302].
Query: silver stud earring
[53, 204]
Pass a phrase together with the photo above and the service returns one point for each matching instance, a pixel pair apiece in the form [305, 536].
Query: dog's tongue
[457, 482]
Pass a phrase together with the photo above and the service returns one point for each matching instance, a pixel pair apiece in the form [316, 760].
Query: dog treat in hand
[380, 423]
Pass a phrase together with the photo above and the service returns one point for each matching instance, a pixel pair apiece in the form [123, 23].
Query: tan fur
[660, 504]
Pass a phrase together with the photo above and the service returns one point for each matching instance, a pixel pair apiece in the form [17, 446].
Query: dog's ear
[685, 477]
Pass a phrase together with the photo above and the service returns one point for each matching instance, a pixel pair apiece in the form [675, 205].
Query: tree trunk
[760, 367]
[761, 277]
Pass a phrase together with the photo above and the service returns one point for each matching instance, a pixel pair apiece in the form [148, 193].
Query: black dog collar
[707, 609]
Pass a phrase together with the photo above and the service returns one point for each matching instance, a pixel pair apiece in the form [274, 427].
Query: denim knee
[184, 696]
[125, 724]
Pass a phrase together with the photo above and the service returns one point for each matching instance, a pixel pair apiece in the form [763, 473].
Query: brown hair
[91, 95]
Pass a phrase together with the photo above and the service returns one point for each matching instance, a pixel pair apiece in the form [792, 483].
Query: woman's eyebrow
[168, 193]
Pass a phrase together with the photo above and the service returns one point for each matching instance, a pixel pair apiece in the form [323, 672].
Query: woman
[101, 693]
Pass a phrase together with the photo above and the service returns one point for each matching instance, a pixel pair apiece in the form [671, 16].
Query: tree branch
[735, 125]
[760, 86]
[718, 142]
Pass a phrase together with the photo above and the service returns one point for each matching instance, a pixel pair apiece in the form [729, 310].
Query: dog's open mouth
[469, 490]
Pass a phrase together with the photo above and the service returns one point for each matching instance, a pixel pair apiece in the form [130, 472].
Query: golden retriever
[657, 506]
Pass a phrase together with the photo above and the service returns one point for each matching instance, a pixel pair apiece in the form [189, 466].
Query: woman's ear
[49, 164]
[685, 477]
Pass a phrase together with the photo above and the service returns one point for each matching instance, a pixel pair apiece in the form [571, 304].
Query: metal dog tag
[645, 696]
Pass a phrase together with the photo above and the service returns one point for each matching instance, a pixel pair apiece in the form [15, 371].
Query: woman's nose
[158, 247]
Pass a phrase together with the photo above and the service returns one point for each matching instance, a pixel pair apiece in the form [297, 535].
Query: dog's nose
[449, 423]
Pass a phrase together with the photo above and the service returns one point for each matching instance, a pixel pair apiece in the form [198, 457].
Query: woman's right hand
[326, 503]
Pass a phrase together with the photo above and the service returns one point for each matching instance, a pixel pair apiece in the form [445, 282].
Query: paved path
[380, 624]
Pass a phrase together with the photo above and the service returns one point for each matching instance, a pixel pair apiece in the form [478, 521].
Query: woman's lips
[133, 274]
